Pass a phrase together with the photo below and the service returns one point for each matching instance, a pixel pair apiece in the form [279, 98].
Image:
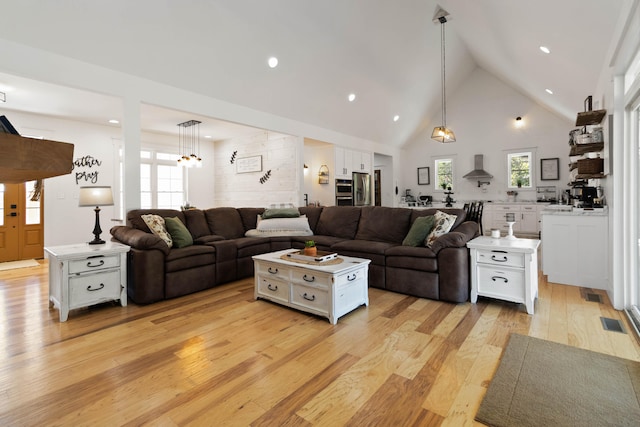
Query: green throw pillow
[179, 233]
[419, 231]
[280, 213]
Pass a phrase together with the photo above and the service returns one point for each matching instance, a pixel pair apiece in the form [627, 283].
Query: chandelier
[442, 133]
[189, 144]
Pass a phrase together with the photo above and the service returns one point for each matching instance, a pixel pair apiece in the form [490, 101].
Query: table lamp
[96, 196]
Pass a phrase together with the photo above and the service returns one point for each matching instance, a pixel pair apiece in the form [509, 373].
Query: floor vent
[591, 297]
[613, 325]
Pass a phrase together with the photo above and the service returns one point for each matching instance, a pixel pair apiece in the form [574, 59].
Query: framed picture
[423, 176]
[249, 164]
[549, 169]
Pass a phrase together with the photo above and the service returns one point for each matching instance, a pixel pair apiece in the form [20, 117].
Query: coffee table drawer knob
[499, 277]
[312, 298]
[272, 288]
[273, 270]
[306, 278]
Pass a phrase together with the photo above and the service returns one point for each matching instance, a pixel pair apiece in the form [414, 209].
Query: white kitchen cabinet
[343, 162]
[348, 161]
[526, 218]
[575, 248]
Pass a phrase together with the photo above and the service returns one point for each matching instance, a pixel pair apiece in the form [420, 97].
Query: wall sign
[423, 176]
[549, 169]
[249, 164]
[88, 175]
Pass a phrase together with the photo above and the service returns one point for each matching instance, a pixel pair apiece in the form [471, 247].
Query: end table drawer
[94, 288]
[273, 289]
[498, 257]
[93, 263]
[309, 297]
[503, 283]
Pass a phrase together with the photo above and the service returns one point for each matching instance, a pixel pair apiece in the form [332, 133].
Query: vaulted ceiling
[386, 52]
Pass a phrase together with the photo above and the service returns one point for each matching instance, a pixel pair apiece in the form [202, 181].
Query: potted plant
[519, 182]
[310, 248]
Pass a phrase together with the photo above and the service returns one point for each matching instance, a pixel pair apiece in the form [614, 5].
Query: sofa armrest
[458, 238]
[139, 239]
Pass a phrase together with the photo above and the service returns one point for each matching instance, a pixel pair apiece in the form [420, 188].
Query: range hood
[478, 172]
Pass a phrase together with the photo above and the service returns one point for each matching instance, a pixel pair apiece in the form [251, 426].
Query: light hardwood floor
[221, 358]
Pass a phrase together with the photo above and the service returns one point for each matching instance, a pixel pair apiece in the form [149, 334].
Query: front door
[21, 223]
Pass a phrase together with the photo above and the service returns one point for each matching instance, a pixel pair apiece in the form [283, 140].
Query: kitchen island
[575, 246]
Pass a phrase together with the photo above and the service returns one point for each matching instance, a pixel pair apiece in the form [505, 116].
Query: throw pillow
[300, 225]
[442, 224]
[157, 227]
[280, 213]
[179, 234]
[419, 231]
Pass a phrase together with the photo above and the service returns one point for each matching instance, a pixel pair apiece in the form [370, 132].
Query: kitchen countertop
[567, 210]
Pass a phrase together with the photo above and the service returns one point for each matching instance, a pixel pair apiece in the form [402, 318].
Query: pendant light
[442, 133]
[189, 144]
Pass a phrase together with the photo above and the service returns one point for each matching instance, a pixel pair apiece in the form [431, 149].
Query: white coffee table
[326, 289]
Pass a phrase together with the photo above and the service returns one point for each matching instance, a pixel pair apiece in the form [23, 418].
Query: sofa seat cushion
[413, 258]
[190, 257]
[207, 239]
[323, 243]
[249, 246]
[375, 251]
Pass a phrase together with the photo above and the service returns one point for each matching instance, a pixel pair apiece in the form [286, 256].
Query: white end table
[505, 269]
[82, 275]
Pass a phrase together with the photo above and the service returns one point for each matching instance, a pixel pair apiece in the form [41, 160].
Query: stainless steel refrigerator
[361, 189]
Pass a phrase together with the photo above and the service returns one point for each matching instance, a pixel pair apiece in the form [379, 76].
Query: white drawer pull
[90, 289]
[273, 271]
[351, 279]
[313, 279]
[500, 277]
[312, 298]
[272, 288]
[101, 263]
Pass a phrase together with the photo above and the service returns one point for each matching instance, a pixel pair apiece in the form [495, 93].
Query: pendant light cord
[443, 59]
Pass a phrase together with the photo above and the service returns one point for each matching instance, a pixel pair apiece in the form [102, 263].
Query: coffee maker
[588, 194]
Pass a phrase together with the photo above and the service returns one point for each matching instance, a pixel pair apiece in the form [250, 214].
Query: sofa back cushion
[196, 223]
[225, 222]
[383, 224]
[249, 217]
[134, 217]
[338, 221]
[313, 215]
[459, 213]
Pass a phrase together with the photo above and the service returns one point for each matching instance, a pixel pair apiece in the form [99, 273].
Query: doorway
[377, 187]
[21, 222]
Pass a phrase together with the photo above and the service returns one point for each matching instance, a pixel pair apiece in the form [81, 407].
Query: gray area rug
[541, 383]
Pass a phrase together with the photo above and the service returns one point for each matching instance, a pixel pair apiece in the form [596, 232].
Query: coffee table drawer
[313, 278]
[272, 288]
[268, 269]
[310, 297]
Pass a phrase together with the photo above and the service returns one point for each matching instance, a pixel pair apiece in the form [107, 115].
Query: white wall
[482, 113]
[282, 155]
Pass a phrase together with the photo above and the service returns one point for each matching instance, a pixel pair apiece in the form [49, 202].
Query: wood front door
[21, 223]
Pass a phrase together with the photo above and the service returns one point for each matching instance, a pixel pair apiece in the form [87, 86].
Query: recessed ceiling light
[114, 121]
[545, 49]
[549, 91]
[208, 136]
[273, 62]
[352, 97]
[396, 118]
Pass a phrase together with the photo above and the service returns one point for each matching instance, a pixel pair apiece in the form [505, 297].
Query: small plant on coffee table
[310, 248]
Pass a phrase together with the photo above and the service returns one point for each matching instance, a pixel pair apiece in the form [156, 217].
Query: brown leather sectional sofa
[221, 253]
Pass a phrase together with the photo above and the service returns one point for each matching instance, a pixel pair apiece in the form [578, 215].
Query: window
[443, 174]
[519, 169]
[32, 209]
[162, 181]
[1, 204]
